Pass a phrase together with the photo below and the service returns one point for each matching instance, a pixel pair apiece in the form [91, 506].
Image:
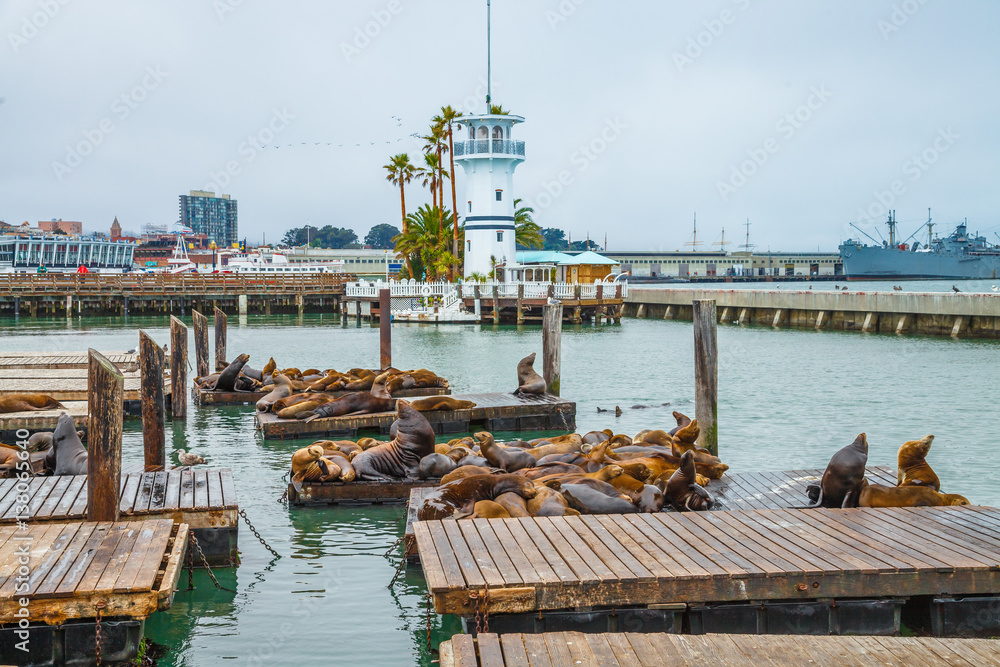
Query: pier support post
[105, 395]
[668, 314]
[17, 306]
[819, 319]
[552, 315]
[599, 310]
[151, 361]
[578, 309]
[641, 311]
[178, 368]
[706, 373]
[901, 324]
[520, 298]
[242, 304]
[300, 301]
[125, 306]
[69, 305]
[957, 328]
[220, 340]
[385, 328]
[477, 303]
[200, 343]
[725, 315]
[777, 317]
[867, 326]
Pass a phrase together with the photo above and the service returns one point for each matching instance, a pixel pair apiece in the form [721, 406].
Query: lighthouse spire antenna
[489, 60]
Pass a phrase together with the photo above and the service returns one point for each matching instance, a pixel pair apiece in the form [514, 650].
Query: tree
[527, 233]
[555, 239]
[299, 236]
[380, 236]
[429, 174]
[449, 116]
[335, 237]
[498, 110]
[400, 172]
[584, 245]
[427, 241]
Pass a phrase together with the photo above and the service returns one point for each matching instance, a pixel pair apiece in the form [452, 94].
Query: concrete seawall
[939, 314]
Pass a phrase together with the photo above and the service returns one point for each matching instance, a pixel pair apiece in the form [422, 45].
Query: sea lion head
[611, 471]
[65, 430]
[861, 443]
[955, 499]
[518, 484]
[681, 419]
[915, 450]
[687, 465]
[688, 433]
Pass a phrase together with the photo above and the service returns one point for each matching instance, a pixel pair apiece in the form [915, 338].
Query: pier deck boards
[44, 420]
[131, 567]
[494, 412]
[63, 360]
[669, 650]
[62, 389]
[206, 397]
[551, 563]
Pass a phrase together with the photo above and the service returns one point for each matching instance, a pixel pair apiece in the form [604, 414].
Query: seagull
[955, 289]
[188, 459]
[995, 288]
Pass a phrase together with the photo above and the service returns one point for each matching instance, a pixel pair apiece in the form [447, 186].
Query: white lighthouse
[489, 156]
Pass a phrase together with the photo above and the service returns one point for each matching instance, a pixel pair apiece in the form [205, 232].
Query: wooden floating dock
[552, 563]
[206, 397]
[42, 420]
[667, 650]
[203, 499]
[63, 360]
[359, 493]
[493, 412]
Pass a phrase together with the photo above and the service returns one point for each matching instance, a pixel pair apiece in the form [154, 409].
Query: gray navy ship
[960, 255]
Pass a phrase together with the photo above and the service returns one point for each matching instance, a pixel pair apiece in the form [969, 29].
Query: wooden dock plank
[44, 420]
[228, 488]
[200, 489]
[51, 581]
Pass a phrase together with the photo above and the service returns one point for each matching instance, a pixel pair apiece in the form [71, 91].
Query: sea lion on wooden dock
[302, 409]
[434, 466]
[528, 381]
[877, 495]
[844, 476]
[400, 458]
[500, 457]
[441, 403]
[460, 496]
[684, 492]
[356, 403]
[466, 471]
[589, 500]
[309, 465]
[912, 468]
[682, 421]
[490, 509]
[227, 378]
[70, 455]
[28, 402]
[515, 505]
[282, 389]
[549, 502]
[269, 368]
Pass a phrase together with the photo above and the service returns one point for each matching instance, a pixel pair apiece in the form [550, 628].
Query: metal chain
[204, 561]
[486, 606]
[257, 535]
[479, 620]
[427, 598]
[395, 544]
[100, 606]
[284, 497]
[190, 566]
[399, 570]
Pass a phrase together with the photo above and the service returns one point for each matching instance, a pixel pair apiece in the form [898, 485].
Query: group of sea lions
[599, 472]
[64, 453]
[844, 483]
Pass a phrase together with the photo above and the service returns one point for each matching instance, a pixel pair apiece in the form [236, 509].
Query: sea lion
[550, 469]
[682, 421]
[475, 460]
[303, 409]
[515, 505]
[656, 438]
[588, 500]
[40, 442]
[489, 509]
[400, 458]
[70, 455]
[844, 476]
[252, 373]
[227, 378]
[356, 403]
[463, 471]
[549, 502]
[269, 368]
[528, 381]
[567, 438]
[913, 469]
[309, 465]
[650, 500]
[499, 457]
[460, 496]
[28, 402]
[685, 437]
[282, 389]
[434, 466]
[682, 490]
[441, 403]
[368, 443]
[595, 437]
[877, 495]
[347, 473]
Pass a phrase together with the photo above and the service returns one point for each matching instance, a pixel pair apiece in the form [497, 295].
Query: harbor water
[788, 399]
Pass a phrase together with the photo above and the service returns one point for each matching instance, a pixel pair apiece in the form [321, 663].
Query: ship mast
[930, 228]
[892, 229]
[694, 243]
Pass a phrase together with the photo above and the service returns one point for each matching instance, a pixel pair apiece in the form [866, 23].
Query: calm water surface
[788, 400]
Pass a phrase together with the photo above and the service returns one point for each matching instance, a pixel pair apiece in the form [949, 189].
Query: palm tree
[435, 145]
[449, 116]
[427, 240]
[527, 233]
[400, 172]
[498, 110]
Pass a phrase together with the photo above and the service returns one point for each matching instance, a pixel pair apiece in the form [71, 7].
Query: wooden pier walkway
[130, 569]
[493, 412]
[669, 650]
[551, 563]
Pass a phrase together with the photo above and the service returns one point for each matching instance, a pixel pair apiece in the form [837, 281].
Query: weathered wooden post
[220, 340]
[178, 368]
[151, 361]
[599, 310]
[105, 396]
[200, 343]
[477, 304]
[520, 299]
[706, 373]
[385, 328]
[552, 314]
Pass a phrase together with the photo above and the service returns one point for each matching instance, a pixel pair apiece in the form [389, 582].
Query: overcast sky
[799, 115]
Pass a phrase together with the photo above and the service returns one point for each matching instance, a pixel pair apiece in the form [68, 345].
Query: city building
[653, 264]
[56, 226]
[549, 265]
[116, 230]
[63, 254]
[211, 215]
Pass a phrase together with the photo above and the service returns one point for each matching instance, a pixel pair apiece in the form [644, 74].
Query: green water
[787, 400]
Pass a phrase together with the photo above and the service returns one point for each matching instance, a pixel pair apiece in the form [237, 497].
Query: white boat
[179, 261]
[277, 263]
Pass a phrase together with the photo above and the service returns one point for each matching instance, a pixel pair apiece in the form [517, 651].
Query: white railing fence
[450, 293]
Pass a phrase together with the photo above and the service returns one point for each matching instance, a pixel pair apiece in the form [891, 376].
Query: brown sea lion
[658, 438]
[515, 505]
[269, 368]
[28, 402]
[282, 389]
[303, 409]
[912, 468]
[528, 381]
[551, 469]
[541, 451]
[682, 421]
[434, 466]
[877, 495]
[619, 440]
[309, 465]
[460, 496]
[588, 500]
[343, 462]
[549, 502]
[227, 378]
[683, 492]
[844, 476]
[650, 499]
[489, 509]
[400, 458]
[595, 437]
[459, 452]
[349, 448]
[566, 438]
[357, 403]
[441, 403]
[499, 457]
[462, 472]
[686, 437]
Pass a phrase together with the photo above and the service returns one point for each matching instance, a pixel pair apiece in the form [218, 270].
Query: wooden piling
[520, 300]
[178, 368]
[200, 343]
[706, 373]
[385, 328]
[151, 362]
[552, 315]
[220, 340]
[105, 387]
